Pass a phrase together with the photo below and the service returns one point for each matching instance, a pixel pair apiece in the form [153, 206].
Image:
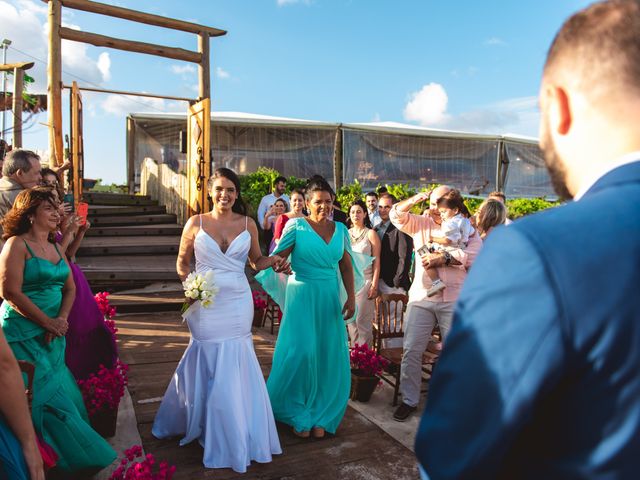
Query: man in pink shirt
[424, 312]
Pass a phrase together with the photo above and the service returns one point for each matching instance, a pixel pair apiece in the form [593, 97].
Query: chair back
[389, 317]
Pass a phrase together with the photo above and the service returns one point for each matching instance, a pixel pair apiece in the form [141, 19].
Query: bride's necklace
[356, 236]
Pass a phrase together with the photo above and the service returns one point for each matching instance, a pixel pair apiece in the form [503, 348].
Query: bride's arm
[185, 254]
[256, 259]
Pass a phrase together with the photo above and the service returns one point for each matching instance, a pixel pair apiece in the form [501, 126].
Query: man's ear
[560, 114]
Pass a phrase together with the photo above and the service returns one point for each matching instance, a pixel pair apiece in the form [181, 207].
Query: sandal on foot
[318, 432]
[303, 434]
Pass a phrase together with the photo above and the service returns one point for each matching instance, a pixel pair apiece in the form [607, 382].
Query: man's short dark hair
[18, 159]
[394, 200]
[279, 179]
[600, 45]
[371, 194]
[382, 190]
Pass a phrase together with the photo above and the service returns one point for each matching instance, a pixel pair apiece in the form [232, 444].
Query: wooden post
[204, 75]
[131, 155]
[18, 85]
[337, 159]
[54, 85]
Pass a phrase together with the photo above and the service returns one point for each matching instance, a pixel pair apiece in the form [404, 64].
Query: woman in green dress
[310, 376]
[38, 291]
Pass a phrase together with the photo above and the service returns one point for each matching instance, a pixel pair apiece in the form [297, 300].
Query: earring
[31, 221]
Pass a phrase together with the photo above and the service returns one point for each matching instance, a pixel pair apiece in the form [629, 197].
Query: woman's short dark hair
[16, 221]
[363, 206]
[299, 191]
[281, 200]
[239, 206]
[317, 183]
[453, 199]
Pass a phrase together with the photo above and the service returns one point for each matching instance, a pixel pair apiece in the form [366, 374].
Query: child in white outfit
[454, 233]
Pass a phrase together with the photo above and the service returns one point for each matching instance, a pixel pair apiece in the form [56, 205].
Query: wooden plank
[54, 84]
[150, 219]
[130, 45]
[8, 67]
[131, 155]
[125, 231]
[103, 210]
[204, 75]
[141, 17]
[134, 94]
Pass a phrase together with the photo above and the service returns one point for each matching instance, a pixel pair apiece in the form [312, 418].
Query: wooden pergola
[200, 57]
[18, 70]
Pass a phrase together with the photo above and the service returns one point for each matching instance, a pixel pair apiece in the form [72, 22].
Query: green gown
[58, 411]
[310, 376]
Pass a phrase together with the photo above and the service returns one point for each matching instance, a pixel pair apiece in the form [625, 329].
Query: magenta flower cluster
[103, 391]
[366, 361]
[259, 300]
[130, 469]
[102, 299]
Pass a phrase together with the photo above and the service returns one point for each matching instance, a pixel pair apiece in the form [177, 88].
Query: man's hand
[280, 265]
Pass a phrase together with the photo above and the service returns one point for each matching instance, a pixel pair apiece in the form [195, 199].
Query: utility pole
[4, 45]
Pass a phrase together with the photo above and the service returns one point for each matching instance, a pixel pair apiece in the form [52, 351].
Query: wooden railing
[166, 186]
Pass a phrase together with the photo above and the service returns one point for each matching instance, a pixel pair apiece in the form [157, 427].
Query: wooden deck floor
[152, 345]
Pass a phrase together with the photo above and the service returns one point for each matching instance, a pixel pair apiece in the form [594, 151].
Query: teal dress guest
[37, 286]
[310, 376]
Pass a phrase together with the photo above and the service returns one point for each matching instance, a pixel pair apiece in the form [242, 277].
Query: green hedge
[258, 184]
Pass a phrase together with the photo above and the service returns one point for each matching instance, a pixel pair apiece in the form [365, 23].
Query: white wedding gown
[218, 394]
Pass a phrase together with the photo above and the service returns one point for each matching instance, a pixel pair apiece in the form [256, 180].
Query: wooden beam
[18, 85]
[8, 67]
[141, 17]
[133, 94]
[130, 45]
[204, 74]
[54, 85]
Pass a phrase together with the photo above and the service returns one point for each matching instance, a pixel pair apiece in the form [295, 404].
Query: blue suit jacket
[540, 375]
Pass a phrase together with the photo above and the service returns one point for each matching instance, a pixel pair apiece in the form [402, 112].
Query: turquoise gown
[310, 376]
[58, 411]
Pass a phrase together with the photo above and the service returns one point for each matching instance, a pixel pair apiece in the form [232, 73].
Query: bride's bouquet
[200, 287]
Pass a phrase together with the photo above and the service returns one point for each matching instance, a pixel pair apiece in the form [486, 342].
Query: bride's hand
[280, 265]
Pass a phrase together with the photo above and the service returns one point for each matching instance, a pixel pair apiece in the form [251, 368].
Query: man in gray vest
[20, 170]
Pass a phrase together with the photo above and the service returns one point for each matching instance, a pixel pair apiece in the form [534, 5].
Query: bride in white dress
[217, 394]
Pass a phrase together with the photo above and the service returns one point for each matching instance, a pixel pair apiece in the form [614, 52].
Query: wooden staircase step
[134, 245]
[110, 210]
[117, 220]
[117, 199]
[147, 302]
[128, 271]
[134, 230]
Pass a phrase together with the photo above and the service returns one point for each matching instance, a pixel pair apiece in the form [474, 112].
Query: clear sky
[464, 65]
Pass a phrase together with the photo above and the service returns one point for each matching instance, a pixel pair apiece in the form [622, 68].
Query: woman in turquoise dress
[310, 376]
[38, 292]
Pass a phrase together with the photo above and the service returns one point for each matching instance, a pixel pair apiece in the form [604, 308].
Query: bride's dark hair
[239, 206]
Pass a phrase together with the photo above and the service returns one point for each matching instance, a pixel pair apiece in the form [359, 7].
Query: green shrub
[112, 188]
[349, 193]
[473, 203]
[519, 207]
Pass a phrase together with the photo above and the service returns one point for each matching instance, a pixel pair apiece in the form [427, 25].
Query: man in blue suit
[540, 375]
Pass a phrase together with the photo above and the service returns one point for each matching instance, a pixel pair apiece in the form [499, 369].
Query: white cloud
[183, 69]
[428, 106]
[495, 42]
[24, 22]
[519, 115]
[122, 105]
[376, 117]
[221, 73]
[284, 3]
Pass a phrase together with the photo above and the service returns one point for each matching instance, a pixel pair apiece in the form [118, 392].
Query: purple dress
[89, 341]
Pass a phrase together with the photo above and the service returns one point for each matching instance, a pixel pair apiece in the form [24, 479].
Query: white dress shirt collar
[591, 181]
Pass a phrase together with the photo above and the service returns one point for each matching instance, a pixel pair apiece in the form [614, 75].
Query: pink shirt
[419, 227]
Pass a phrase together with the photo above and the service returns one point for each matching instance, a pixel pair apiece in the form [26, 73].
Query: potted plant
[259, 306]
[102, 393]
[366, 366]
[129, 469]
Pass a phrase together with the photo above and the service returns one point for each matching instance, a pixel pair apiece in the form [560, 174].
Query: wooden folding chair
[272, 313]
[389, 324]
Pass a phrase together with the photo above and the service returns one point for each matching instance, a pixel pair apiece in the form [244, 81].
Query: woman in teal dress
[38, 292]
[310, 376]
